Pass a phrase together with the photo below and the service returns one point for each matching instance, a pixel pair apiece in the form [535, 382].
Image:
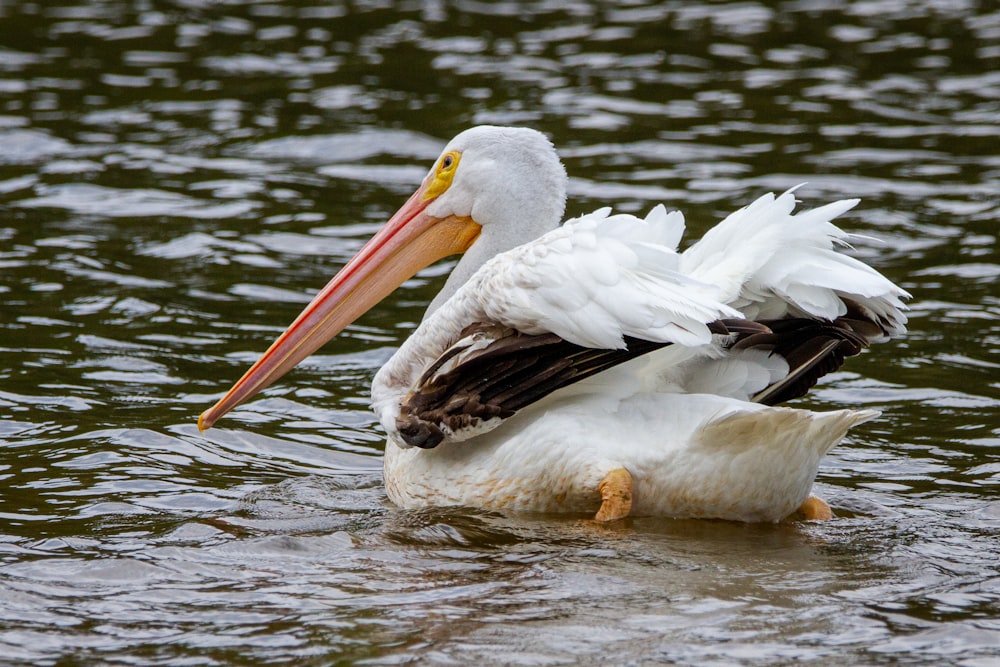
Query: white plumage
[682, 421]
[768, 263]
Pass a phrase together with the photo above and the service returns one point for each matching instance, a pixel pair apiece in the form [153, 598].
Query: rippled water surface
[177, 178]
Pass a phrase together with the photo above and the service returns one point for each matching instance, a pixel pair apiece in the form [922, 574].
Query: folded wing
[763, 287]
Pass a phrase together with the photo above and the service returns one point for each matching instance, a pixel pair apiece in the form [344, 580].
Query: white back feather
[769, 263]
[597, 279]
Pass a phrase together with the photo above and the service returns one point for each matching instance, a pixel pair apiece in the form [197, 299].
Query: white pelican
[590, 367]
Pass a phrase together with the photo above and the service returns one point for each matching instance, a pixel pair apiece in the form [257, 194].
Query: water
[177, 178]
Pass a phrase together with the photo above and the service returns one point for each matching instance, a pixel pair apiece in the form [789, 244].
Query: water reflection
[176, 179]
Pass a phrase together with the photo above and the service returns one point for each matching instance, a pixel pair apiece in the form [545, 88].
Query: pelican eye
[443, 175]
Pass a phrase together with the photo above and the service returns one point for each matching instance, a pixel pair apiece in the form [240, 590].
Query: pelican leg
[815, 508]
[616, 496]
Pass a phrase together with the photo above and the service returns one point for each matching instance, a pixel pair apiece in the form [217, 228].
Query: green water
[177, 179]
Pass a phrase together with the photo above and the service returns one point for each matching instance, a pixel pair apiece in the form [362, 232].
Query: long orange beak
[410, 241]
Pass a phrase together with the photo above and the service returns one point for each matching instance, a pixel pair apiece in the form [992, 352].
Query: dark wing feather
[470, 383]
[511, 371]
[812, 349]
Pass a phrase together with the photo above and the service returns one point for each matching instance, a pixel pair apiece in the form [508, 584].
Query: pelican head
[491, 189]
